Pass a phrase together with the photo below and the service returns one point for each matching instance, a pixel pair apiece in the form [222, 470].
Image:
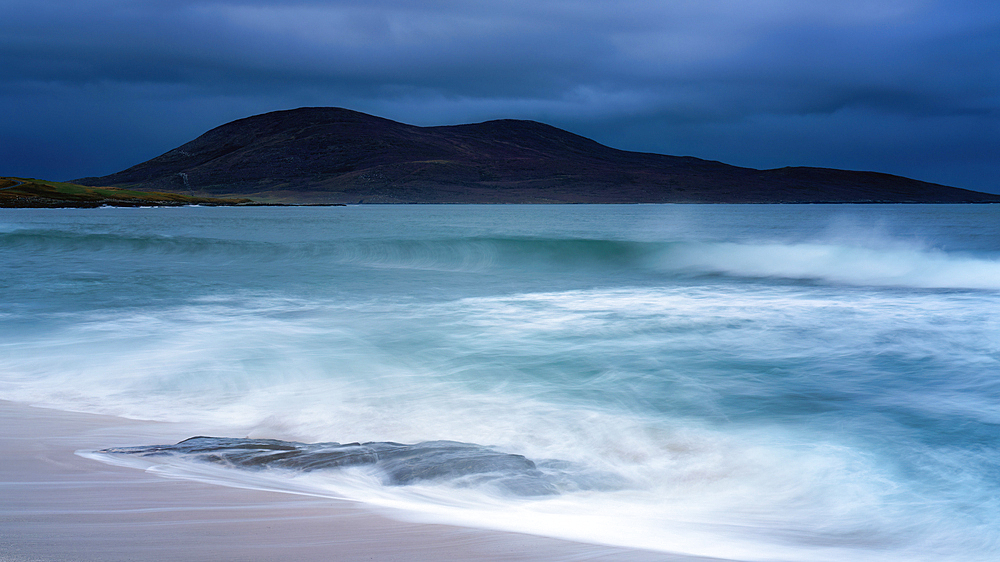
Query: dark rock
[462, 464]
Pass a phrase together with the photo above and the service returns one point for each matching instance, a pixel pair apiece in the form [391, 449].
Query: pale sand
[55, 505]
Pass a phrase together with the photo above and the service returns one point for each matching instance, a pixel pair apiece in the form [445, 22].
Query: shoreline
[58, 505]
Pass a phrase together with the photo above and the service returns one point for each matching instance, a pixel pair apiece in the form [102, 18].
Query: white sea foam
[838, 263]
[731, 496]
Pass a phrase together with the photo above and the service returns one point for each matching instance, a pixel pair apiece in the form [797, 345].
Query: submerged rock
[397, 464]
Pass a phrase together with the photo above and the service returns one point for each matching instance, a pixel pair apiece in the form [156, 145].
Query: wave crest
[837, 263]
[886, 264]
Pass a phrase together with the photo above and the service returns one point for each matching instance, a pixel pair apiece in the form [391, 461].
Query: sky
[908, 87]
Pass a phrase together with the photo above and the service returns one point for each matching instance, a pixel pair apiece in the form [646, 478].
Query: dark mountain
[334, 155]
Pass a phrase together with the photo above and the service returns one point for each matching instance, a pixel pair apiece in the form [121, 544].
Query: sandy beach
[57, 505]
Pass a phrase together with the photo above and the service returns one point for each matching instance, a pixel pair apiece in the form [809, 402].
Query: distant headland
[333, 155]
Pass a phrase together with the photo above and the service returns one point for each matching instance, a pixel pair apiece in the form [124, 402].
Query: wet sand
[56, 505]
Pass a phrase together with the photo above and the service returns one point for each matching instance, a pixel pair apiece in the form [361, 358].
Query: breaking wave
[835, 262]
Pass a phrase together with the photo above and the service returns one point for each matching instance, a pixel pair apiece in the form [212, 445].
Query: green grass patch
[32, 192]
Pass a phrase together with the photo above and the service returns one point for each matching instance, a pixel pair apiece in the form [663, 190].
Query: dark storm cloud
[904, 86]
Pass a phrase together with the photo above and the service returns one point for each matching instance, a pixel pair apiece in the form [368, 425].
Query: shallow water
[756, 382]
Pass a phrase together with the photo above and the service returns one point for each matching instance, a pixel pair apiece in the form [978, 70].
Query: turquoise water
[755, 382]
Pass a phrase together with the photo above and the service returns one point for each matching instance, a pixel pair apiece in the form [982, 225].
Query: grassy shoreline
[18, 192]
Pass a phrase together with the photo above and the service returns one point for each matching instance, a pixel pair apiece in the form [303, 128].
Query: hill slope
[334, 155]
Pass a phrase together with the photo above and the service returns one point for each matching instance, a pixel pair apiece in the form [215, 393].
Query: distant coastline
[30, 193]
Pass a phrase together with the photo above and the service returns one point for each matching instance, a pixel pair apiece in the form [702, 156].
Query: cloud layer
[903, 86]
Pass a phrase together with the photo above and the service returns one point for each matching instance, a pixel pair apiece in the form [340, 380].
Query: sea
[750, 382]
